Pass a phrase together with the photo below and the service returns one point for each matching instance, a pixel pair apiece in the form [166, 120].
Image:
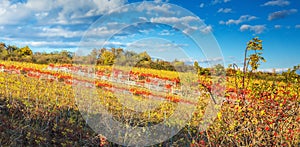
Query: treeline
[118, 56]
[113, 56]
[25, 54]
[291, 75]
[14, 53]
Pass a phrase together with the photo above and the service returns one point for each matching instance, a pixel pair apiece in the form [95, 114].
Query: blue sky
[47, 25]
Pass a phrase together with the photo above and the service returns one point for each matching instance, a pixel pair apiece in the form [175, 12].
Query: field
[50, 104]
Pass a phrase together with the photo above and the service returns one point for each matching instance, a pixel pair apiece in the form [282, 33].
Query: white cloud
[54, 11]
[166, 33]
[222, 22]
[119, 37]
[48, 43]
[277, 26]
[158, 46]
[243, 18]
[64, 44]
[159, 1]
[184, 23]
[143, 19]
[224, 10]
[297, 26]
[41, 15]
[202, 5]
[187, 59]
[40, 5]
[271, 70]
[100, 32]
[146, 31]
[258, 29]
[277, 3]
[46, 23]
[220, 1]
[150, 8]
[115, 43]
[72, 12]
[211, 60]
[190, 29]
[107, 5]
[12, 13]
[59, 32]
[206, 29]
[281, 14]
[185, 19]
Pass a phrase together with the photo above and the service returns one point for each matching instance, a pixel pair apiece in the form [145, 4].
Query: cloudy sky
[165, 30]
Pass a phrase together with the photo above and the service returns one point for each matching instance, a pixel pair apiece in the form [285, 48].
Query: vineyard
[38, 105]
[154, 73]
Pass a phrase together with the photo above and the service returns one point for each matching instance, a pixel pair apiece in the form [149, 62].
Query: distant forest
[118, 56]
[113, 56]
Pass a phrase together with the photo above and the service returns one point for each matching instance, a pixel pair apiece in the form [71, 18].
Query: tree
[144, 57]
[93, 57]
[12, 49]
[2, 45]
[129, 54]
[113, 50]
[119, 52]
[61, 57]
[291, 75]
[102, 50]
[107, 58]
[196, 65]
[25, 51]
[3, 51]
[179, 65]
[219, 69]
